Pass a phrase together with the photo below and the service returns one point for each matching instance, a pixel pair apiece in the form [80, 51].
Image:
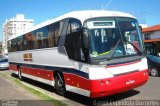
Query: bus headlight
[107, 82]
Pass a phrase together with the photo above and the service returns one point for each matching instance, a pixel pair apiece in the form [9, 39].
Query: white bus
[84, 52]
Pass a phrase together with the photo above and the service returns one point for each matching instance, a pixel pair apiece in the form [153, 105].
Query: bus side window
[68, 42]
[73, 42]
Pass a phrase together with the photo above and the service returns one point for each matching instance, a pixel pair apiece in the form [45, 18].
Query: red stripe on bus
[109, 86]
[123, 64]
[83, 83]
[13, 67]
[76, 81]
[45, 74]
[70, 79]
[98, 88]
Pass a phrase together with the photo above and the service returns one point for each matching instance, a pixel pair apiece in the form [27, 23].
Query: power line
[107, 4]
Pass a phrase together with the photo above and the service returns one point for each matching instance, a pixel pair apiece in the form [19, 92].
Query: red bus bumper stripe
[100, 88]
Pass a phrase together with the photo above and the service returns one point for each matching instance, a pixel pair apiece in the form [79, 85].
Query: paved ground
[10, 91]
[149, 91]
[12, 94]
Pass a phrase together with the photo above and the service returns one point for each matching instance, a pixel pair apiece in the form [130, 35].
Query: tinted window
[3, 60]
[73, 40]
[44, 37]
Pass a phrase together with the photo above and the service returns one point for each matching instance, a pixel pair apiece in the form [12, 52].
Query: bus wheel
[19, 73]
[60, 84]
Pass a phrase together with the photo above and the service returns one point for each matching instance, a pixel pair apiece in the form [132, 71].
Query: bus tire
[19, 74]
[60, 84]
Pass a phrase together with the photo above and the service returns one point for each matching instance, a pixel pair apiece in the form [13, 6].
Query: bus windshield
[115, 37]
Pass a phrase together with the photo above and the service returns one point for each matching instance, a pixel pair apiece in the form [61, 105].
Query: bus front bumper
[118, 84]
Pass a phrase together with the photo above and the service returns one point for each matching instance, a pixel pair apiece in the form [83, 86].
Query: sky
[146, 11]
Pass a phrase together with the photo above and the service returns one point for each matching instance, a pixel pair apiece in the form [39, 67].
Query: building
[13, 27]
[143, 25]
[151, 36]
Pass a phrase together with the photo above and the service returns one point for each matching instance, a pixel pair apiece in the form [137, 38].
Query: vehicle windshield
[113, 37]
[3, 60]
[154, 58]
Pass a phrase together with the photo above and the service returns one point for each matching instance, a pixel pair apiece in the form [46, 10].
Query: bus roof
[82, 16]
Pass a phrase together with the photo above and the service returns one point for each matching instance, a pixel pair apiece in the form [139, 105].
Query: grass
[3, 75]
[36, 92]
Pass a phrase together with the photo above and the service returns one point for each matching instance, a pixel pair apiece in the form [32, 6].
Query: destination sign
[103, 23]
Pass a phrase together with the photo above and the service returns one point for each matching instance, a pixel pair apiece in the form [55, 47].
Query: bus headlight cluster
[107, 82]
[145, 73]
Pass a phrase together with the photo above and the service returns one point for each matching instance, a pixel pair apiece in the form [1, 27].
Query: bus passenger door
[74, 49]
[80, 65]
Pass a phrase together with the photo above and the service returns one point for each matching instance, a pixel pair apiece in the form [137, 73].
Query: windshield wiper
[113, 50]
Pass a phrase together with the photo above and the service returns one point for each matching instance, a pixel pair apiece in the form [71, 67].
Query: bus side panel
[13, 67]
[42, 57]
[80, 85]
[69, 79]
[45, 74]
[77, 81]
[39, 62]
